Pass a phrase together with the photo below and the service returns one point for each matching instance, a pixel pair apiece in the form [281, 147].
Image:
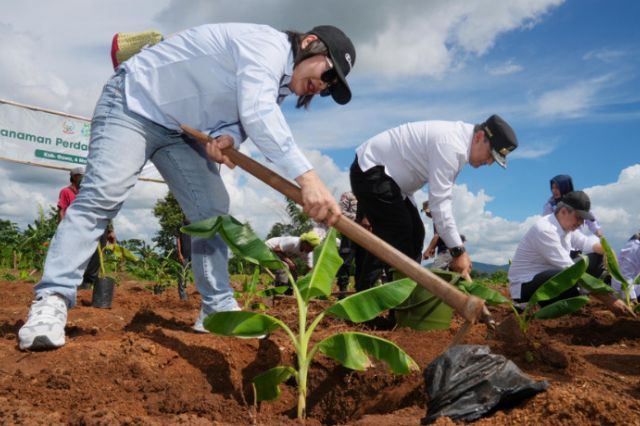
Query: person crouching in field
[227, 80]
[545, 249]
[289, 249]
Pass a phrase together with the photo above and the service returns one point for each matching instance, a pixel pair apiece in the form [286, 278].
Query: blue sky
[563, 73]
[577, 42]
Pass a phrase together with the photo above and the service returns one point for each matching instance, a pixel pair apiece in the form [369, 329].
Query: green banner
[51, 155]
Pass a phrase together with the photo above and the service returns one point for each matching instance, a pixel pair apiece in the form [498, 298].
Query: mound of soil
[140, 363]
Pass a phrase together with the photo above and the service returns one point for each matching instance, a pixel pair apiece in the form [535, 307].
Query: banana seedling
[351, 349]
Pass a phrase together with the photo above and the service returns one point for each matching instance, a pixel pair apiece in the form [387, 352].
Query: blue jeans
[121, 142]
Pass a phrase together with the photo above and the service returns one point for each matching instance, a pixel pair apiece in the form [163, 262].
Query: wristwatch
[457, 251]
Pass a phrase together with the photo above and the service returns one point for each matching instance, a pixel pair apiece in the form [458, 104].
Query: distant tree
[500, 277]
[278, 229]
[9, 239]
[9, 233]
[169, 214]
[478, 274]
[35, 239]
[299, 222]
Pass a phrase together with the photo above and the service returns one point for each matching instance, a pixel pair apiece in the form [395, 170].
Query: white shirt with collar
[418, 153]
[544, 247]
[220, 79]
[290, 246]
[629, 261]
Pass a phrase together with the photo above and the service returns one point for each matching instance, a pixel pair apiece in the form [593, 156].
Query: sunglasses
[330, 77]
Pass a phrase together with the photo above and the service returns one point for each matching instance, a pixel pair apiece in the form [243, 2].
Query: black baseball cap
[343, 56]
[502, 138]
[578, 201]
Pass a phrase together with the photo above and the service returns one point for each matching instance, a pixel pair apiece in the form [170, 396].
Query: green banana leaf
[368, 304]
[239, 237]
[560, 282]
[451, 277]
[489, 295]
[612, 263]
[121, 253]
[423, 311]
[561, 307]
[594, 285]
[352, 350]
[267, 383]
[327, 262]
[241, 324]
[250, 285]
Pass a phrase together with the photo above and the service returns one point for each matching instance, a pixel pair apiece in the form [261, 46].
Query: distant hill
[489, 268]
[482, 267]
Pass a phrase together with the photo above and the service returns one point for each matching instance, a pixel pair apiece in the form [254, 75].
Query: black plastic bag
[467, 382]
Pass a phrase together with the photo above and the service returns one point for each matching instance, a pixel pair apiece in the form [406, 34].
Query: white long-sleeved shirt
[419, 153]
[220, 79]
[629, 261]
[290, 246]
[544, 247]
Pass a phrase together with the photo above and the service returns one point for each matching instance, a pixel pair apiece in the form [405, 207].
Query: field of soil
[139, 363]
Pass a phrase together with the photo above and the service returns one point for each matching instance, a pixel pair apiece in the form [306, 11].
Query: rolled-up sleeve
[583, 242]
[260, 64]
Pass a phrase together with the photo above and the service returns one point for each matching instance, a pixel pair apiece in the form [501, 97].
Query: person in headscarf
[560, 186]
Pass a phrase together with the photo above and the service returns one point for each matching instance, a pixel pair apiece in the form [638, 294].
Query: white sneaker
[44, 328]
[198, 327]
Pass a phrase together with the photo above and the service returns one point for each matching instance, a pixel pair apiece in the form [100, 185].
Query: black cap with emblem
[343, 55]
[502, 138]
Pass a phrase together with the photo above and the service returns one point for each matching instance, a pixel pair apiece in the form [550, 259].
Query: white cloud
[504, 69]
[41, 88]
[62, 63]
[617, 205]
[26, 188]
[490, 239]
[431, 38]
[605, 55]
[412, 37]
[530, 152]
[573, 101]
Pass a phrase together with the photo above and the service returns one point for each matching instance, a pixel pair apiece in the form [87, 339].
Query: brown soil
[139, 363]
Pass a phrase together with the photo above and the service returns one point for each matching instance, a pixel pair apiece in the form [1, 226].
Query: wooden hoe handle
[470, 307]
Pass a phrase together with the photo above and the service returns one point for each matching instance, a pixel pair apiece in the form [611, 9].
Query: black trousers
[347, 253]
[393, 218]
[350, 253]
[595, 268]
